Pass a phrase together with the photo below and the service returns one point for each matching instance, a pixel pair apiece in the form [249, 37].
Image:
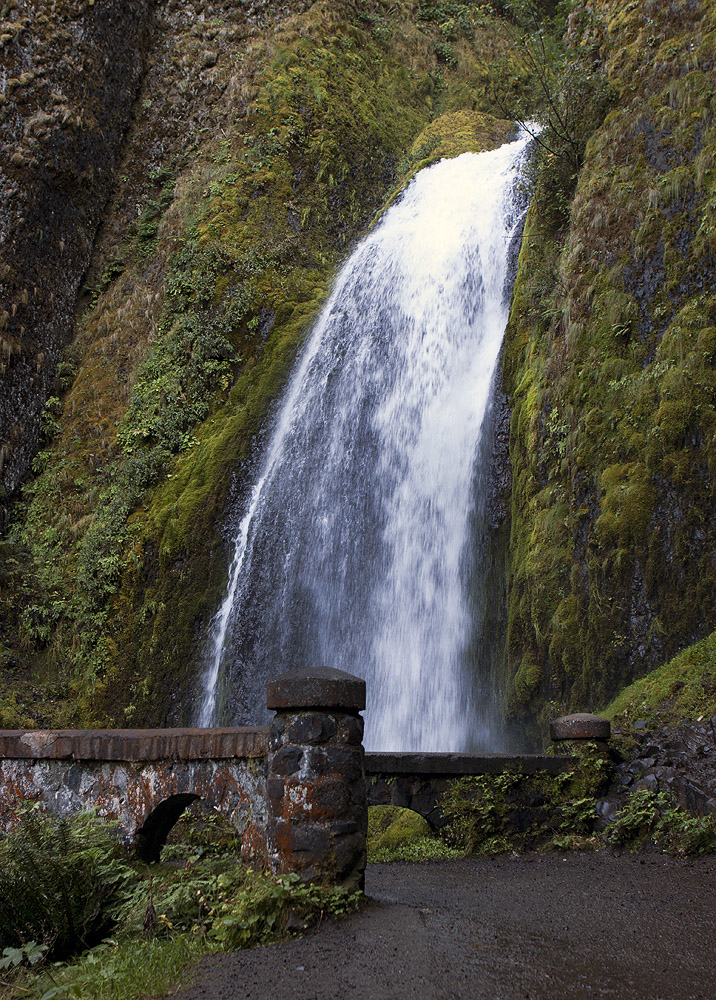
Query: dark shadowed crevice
[152, 836]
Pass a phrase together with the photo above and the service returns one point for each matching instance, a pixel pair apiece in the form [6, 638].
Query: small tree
[562, 50]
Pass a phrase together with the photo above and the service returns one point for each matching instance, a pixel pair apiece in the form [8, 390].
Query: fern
[61, 882]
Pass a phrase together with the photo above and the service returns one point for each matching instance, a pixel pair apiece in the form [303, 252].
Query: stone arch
[152, 834]
[422, 794]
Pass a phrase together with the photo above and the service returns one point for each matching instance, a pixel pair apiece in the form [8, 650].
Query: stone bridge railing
[418, 781]
[143, 779]
[297, 791]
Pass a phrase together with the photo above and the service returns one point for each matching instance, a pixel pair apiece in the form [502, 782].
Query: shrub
[61, 882]
[655, 818]
[491, 813]
[254, 908]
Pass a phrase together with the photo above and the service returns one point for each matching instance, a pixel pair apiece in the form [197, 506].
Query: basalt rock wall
[69, 73]
[609, 363]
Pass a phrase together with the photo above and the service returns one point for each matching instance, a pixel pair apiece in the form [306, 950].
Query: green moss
[396, 834]
[610, 367]
[491, 814]
[527, 679]
[685, 687]
[452, 134]
[196, 322]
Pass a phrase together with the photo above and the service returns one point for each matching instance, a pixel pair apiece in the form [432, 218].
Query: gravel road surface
[537, 927]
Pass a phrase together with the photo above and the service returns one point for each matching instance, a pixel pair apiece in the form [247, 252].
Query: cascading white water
[356, 546]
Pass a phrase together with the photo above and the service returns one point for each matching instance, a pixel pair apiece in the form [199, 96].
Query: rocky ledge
[677, 759]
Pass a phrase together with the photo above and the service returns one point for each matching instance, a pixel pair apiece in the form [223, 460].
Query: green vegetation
[61, 881]
[683, 688]
[68, 887]
[609, 362]
[115, 557]
[491, 814]
[653, 820]
[396, 834]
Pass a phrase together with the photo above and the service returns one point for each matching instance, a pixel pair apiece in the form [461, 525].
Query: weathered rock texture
[316, 779]
[609, 362]
[69, 74]
[679, 760]
[581, 726]
[143, 780]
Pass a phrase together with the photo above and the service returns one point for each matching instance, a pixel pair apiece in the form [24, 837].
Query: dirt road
[539, 927]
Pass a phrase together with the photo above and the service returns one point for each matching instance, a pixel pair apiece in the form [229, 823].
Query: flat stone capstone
[316, 687]
[581, 726]
[463, 763]
[135, 744]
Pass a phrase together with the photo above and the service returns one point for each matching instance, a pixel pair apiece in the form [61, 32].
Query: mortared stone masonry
[297, 791]
[318, 811]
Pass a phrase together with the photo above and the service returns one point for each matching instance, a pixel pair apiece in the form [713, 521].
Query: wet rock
[675, 759]
[318, 809]
[580, 726]
[56, 172]
[649, 783]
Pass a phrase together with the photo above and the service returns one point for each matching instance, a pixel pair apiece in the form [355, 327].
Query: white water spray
[356, 546]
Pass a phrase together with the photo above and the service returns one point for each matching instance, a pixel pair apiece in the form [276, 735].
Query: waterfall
[356, 546]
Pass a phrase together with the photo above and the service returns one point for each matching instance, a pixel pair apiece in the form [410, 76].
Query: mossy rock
[455, 133]
[396, 834]
[683, 688]
[609, 362]
[391, 826]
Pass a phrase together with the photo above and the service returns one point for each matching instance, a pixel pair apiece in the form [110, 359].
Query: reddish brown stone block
[318, 827]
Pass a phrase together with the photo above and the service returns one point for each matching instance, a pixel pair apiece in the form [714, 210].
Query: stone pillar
[318, 811]
[581, 728]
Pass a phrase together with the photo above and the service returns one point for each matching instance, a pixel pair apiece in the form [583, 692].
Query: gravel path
[538, 927]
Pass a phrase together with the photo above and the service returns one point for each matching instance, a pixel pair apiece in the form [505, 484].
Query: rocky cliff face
[69, 73]
[610, 364]
[263, 138]
[180, 179]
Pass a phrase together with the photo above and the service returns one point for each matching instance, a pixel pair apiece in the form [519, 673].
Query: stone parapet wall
[419, 781]
[297, 792]
[144, 799]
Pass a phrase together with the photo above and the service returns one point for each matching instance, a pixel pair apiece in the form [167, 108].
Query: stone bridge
[297, 791]
[143, 779]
